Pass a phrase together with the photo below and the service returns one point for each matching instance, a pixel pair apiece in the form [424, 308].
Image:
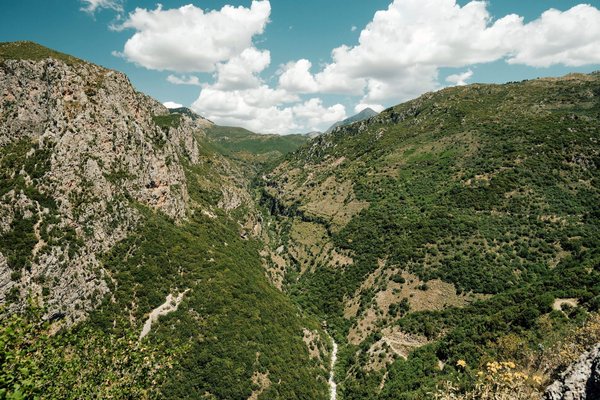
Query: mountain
[451, 231]
[186, 111]
[447, 247]
[129, 250]
[313, 134]
[240, 145]
[361, 116]
[253, 149]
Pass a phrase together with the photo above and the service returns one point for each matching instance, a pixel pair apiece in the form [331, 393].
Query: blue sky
[294, 66]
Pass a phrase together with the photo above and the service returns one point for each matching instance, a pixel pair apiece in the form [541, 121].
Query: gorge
[445, 244]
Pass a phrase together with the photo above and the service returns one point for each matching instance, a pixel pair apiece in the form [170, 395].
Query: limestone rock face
[85, 146]
[581, 381]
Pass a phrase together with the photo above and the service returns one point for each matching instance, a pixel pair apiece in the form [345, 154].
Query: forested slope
[112, 209]
[450, 228]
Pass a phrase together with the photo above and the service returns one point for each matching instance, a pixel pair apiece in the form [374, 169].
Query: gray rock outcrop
[581, 381]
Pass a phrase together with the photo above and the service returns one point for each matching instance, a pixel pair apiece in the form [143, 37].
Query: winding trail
[332, 384]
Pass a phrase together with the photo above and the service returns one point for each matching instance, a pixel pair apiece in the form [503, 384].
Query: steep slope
[361, 116]
[78, 143]
[444, 230]
[110, 206]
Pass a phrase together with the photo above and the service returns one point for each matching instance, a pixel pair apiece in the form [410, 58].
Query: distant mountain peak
[368, 110]
[361, 116]
[186, 111]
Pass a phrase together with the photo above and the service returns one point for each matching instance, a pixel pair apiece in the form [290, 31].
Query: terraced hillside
[438, 235]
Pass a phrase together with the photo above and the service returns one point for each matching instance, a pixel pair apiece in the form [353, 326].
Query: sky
[290, 66]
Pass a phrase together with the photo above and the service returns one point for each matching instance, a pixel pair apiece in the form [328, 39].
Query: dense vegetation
[251, 148]
[231, 323]
[75, 364]
[493, 188]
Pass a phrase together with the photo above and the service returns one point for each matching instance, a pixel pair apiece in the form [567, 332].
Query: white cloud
[171, 104]
[354, 28]
[296, 77]
[91, 6]
[256, 109]
[571, 38]
[313, 115]
[334, 79]
[459, 79]
[375, 107]
[400, 52]
[187, 39]
[241, 71]
[184, 80]
[266, 110]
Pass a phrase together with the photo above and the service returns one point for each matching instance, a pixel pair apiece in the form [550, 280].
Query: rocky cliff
[79, 146]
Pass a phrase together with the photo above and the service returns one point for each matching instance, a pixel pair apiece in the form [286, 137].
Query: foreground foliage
[74, 364]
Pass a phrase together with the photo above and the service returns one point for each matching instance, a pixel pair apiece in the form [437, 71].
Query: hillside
[361, 116]
[251, 148]
[445, 233]
[26, 50]
[129, 250]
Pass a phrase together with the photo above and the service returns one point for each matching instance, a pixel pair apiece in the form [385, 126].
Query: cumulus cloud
[459, 79]
[91, 6]
[188, 39]
[172, 104]
[400, 52]
[256, 109]
[314, 115]
[241, 71]
[296, 77]
[375, 107]
[571, 38]
[184, 80]
[266, 110]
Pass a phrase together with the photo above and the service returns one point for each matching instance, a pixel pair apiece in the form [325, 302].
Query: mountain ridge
[441, 243]
[442, 219]
[361, 116]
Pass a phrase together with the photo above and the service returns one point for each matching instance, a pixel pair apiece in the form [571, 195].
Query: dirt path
[558, 303]
[168, 306]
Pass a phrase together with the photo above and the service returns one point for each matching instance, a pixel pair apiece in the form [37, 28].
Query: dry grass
[437, 296]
